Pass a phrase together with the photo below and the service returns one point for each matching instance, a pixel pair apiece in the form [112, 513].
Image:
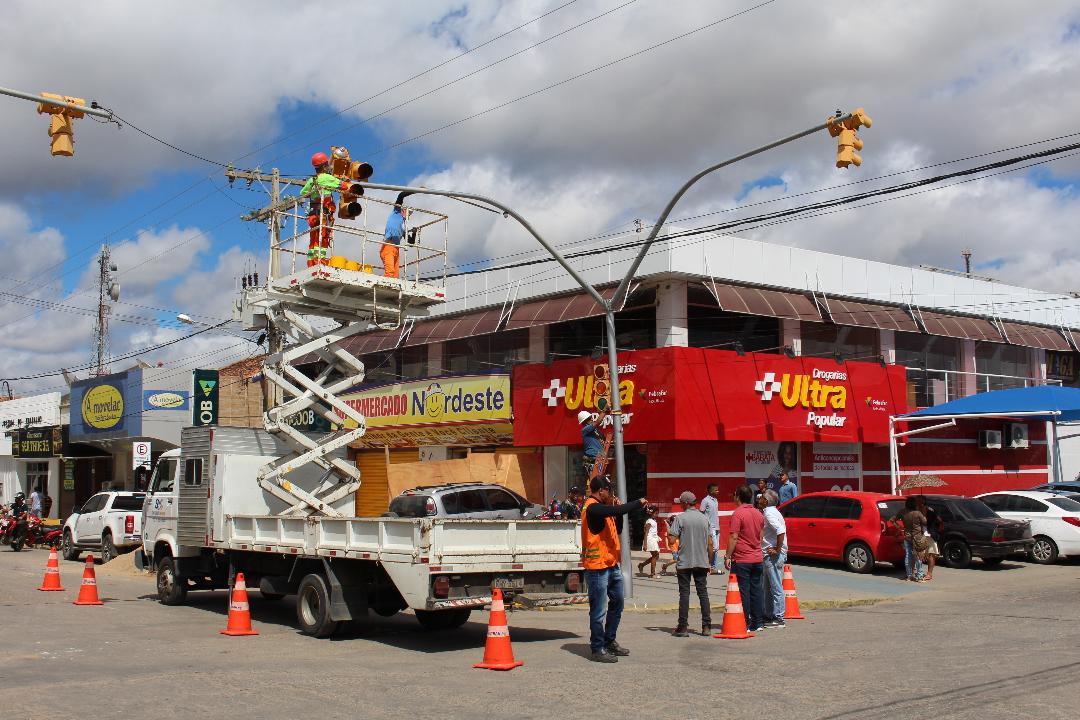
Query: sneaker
[681, 631]
[778, 624]
[706, 630]
[759, 628]
[603, 656]
[615, 648]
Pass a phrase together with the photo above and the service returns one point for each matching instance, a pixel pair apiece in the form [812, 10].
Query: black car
[972, 529]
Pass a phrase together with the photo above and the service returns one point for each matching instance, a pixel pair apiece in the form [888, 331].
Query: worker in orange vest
[321, 187]
[601, 523]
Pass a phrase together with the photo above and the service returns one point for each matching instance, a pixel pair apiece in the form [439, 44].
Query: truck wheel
[68, 548]
[171, 589]
[859, 558]
[108, 550]
[1044, 551]
[443, 619]
[313, 607]
[956, 554]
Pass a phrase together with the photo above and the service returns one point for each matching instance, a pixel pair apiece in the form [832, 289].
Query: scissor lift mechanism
[354, 300]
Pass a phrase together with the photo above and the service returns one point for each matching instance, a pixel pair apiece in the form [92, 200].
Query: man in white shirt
[774, 549]
[710, 507]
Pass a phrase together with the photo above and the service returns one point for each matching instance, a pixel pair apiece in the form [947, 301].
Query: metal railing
[928, 387]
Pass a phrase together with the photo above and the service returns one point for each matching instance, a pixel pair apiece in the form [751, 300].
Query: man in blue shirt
[710, 507]
[395, 231]
[788, 489]
[591, 438]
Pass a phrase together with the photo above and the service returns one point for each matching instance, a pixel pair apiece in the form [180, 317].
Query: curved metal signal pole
[609, 305]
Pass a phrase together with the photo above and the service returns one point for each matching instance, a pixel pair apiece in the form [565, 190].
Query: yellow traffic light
[61, 129]
[602, 386]
[350, 201]
[847, 140]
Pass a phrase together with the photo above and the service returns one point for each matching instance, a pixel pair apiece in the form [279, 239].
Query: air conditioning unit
[1016, 435]
[989, 439]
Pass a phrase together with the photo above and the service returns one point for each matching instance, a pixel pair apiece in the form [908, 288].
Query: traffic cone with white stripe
[51, 581]
[734, 627]
[498, 655]
[239, 610]
[88, 590]
[791, 600]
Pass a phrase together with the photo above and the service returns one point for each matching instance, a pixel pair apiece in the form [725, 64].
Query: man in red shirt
[744, 557]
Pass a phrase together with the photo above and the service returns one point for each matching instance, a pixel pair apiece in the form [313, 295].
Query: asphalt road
[972, 644]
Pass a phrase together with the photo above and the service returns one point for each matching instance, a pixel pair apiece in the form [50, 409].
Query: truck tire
[443, 619]
[313, 607]
[108, 549]
[171, 589]
[68, 547]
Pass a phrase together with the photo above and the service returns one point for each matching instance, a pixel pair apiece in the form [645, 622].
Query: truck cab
[159, 510]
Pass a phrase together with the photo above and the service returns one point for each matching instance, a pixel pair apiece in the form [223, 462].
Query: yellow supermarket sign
[467, 399]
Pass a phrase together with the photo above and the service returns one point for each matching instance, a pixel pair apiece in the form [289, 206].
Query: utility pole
[108, 289]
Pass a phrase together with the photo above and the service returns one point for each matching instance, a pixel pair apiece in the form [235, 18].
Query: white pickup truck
[110, 522]
[206, 518]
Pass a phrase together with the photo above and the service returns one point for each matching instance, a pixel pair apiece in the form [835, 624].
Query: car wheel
[108, 550]
[956, 554]
[313, 607]
[993, 562]
[858, 557]
[171, 588]
[68, 548]
[443, 619]
[1044, 551]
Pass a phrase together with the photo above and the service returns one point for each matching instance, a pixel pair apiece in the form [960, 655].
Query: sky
[585, 115]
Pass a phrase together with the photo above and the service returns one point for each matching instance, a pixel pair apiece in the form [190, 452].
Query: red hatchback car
[848, 526]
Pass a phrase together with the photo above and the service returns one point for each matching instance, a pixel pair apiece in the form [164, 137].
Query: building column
[671, 323]
[887, 345]
[555, 459]
[1038, 365]
[969, 384]
[537, 343]
[435, 359]
[791, 335]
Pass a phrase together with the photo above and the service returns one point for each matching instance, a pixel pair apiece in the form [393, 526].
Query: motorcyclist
[19, 512]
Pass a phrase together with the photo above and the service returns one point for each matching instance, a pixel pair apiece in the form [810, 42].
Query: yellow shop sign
[102, 407]
[467, 399]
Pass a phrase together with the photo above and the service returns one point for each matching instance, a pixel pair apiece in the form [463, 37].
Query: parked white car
[109, 522]
[1055, 520]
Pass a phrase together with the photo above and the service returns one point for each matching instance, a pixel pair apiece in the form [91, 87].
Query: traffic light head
[361, 171]
[847, 142]
[350, 200]
[602, 387]
[61, 129]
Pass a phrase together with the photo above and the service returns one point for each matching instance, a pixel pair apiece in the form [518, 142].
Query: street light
[620, 291]
[188, 320]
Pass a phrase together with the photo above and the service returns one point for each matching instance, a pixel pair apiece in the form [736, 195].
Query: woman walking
[651, 545]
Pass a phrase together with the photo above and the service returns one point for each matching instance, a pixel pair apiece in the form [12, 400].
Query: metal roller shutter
[372, 498]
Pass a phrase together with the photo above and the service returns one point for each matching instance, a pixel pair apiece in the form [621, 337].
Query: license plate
[508, 583]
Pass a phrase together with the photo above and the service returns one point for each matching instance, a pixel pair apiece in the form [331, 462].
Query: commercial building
[751, 310]
[31, 447]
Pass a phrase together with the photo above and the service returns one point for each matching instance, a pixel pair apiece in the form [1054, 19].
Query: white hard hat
[583, 416]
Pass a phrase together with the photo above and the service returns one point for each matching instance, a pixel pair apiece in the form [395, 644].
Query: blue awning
[1044, 402]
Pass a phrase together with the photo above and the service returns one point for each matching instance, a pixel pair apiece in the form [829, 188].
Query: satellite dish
[114, 291]
[112, 267]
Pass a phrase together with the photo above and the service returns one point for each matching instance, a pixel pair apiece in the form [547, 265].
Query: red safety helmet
[318, 159]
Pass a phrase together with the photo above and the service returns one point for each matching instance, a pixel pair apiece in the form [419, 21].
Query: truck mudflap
[531, 601]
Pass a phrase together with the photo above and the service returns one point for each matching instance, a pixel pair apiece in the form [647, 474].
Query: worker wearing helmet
[395, 232]
[321, 187]
[591, 438]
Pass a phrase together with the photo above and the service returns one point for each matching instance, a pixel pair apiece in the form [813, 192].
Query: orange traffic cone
[791, 600]
[239, 611]
[51, 582]
[88, 590]
[734, 627]
[498, 655]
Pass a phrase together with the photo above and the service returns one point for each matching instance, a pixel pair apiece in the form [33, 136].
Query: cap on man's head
[687, 498]
[600, 482]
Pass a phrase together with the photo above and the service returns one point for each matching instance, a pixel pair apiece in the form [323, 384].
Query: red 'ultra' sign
[695, 394]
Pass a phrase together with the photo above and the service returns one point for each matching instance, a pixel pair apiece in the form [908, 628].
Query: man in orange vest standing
[601, 523]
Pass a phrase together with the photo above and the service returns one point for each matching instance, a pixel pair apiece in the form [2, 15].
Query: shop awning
[453, 328]
[861, 314]
[557, 309]
[960, 326]
[1046, 402]
[762, 301]
[1035, 336]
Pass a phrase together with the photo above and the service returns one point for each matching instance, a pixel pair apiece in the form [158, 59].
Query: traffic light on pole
[602, 387]
[61, 128]
[351, 192]
[847, 140]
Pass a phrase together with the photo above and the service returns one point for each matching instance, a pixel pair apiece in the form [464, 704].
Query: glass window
[193, 472]
[973, 509]
[486, 353]
[710, 327]
[635, 329]
[805, 507]
[1026, 504]
[128, 502]
[1065, 504]
[163, 475]
[838, 508]
[1001, 359]
[410, 506]
[927, 358]
[95, 503]
[889, 508]
[414, 362]
[997, 503]
[821, 340]
[465, 501]
[501, 500]
[944, 511]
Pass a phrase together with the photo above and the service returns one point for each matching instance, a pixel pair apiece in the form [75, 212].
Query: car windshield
[128, 502]
[1065, 504]
[974, 509]
[411, 506]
